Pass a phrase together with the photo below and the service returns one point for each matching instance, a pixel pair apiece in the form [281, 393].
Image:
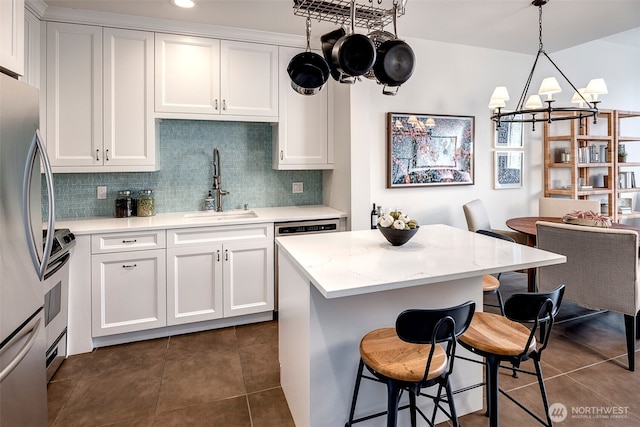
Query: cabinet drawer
[122, 242]
[207, 235]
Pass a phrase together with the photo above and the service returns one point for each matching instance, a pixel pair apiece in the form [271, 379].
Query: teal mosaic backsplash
[186, 173]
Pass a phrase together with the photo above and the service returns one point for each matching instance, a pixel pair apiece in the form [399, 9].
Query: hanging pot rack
[369, 15]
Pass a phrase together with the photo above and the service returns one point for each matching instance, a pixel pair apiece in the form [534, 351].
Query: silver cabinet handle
[224, 104]
[226, 254]
[106, 155]
[97, 155]
[130, 241]
[218, 254]
[129, 265]
[215, 105]
[281, 154]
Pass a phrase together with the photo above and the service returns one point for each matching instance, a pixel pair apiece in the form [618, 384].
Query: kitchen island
[334, 288]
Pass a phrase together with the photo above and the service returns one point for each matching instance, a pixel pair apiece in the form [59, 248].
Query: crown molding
[37, 7]
[107, 19]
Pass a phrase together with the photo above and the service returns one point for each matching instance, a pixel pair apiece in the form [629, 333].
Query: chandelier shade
[540, 107]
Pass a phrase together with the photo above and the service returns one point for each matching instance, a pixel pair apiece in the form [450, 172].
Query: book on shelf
[585, 187]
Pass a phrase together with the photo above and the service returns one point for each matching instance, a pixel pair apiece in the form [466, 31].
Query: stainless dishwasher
[315, 226]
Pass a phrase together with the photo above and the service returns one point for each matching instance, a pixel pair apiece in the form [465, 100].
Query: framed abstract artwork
[429, 150]
[507, 169]
[508, 135]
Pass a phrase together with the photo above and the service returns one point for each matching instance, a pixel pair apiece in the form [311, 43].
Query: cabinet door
[12, 36]
[249, 79]
[301, 141]
[31, 74]
[194, 284]
[74, 94]
[187, 74]
[128, 292]
[129, 130]
[248, 277]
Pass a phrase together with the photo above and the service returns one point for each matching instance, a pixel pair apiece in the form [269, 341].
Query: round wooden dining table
[527, 226]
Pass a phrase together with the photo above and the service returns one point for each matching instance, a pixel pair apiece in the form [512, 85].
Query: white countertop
[360, 262]
[93, 225]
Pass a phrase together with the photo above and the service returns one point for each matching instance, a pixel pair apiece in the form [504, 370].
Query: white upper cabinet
[187, 74]
[301, 140]
[12, 36]
[249, 79]
[129, 128]
[197, 75]
[100, 99]
[74, 95]
[32, 52]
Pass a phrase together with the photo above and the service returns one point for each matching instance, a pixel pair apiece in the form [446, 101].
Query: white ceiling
[510, 25]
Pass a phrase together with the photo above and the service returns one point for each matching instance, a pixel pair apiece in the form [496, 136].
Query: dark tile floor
[225, 377]
[230, 377]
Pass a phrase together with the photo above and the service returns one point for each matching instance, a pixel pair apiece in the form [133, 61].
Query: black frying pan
[308, 70]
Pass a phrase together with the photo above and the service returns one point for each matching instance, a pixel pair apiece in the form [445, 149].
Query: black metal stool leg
[452, 405]
[493, 363]
[412, 407]
[355, 393]
[543, 391]
[393, 394]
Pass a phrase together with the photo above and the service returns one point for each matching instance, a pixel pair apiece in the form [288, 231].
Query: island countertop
[360, 262]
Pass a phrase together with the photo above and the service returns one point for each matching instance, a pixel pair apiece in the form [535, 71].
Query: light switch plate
[297, 187]
[102, 192]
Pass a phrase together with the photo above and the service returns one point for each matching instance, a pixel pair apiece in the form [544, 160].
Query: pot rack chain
[339, 12]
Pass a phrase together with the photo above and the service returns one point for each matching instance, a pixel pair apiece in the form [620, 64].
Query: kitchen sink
[220, 216]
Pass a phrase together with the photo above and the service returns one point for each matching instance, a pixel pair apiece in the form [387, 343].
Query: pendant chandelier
[535, 110]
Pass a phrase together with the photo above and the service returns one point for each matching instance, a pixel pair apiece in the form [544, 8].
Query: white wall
[458, 80]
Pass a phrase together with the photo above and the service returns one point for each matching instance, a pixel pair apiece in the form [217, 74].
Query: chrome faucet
[218, 192]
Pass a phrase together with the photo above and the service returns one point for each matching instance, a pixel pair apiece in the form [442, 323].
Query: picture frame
[508, 169]
[508, 135]
[429, 150]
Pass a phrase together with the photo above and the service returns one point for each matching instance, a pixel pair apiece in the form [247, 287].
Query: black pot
[394, 64]
[308, 72]
[354, 54]
[328, 41]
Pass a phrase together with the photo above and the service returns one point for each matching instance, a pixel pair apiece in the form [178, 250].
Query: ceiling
[510, 25]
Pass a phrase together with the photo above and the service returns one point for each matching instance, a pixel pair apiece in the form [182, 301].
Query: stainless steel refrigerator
[23, 256]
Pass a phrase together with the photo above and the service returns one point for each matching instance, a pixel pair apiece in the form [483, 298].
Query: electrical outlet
[102, 192]
[297, 187]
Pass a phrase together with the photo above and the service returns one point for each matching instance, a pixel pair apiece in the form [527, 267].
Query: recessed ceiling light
[183, 3]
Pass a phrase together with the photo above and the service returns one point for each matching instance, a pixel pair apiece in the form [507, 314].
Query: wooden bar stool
[506, 338]
[491, 286]
[418, 353]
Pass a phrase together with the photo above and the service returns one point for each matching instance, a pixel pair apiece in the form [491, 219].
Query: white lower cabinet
[153, 279]
[128, 292]
[194, 284]
[217, 272]
[128, 282]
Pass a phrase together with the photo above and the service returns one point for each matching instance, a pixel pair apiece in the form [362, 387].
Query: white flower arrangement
[397, 220]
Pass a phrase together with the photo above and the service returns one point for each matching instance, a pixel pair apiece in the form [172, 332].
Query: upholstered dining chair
[478, 219]
[558, 207]
[601, 272]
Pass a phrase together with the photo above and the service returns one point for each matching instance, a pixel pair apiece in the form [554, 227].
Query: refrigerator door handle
[23, 351]
[38, 146]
